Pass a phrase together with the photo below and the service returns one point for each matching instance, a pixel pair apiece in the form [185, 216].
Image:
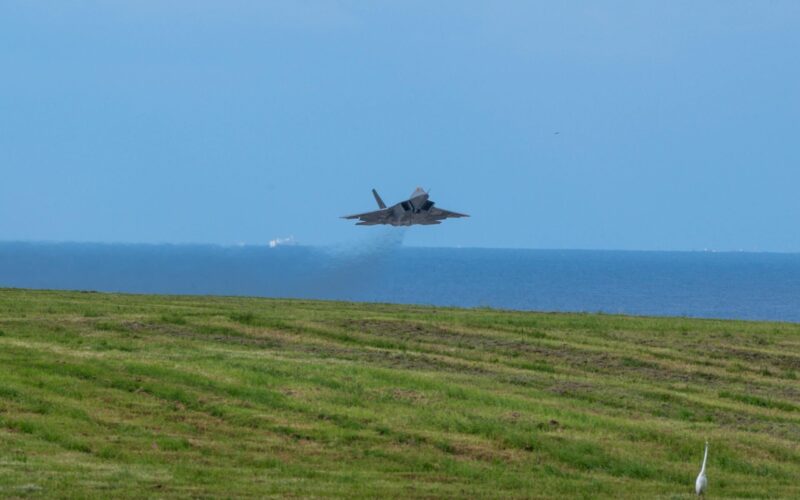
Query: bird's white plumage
[701, 483]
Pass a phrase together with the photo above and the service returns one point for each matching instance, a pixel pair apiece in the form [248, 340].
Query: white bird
[701, 483]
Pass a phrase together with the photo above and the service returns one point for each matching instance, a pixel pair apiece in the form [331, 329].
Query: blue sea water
[698, 284]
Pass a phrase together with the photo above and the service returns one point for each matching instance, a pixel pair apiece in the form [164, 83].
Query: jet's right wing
[440, 213]
[370, 218]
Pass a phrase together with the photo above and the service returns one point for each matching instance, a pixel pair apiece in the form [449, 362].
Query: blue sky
[227, 122]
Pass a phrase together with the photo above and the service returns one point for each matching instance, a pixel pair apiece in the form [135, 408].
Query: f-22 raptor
[416, 210]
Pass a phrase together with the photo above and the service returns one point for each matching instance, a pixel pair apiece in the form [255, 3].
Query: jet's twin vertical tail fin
[381, 204]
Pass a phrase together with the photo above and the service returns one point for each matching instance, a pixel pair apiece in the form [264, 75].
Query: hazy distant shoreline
[290, 242]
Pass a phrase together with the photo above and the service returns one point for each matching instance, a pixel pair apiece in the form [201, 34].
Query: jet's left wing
[369, 218]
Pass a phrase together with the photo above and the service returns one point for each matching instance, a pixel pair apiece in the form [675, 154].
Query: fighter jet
[416, 210]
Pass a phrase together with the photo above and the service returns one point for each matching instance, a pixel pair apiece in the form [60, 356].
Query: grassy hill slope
[105, 395]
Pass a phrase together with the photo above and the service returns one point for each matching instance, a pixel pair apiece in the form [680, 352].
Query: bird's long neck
[705, 457]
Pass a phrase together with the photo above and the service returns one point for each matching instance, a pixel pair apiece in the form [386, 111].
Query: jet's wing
[440, 213]
[376, 217]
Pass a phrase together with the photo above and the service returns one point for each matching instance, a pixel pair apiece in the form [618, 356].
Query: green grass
[106, 395]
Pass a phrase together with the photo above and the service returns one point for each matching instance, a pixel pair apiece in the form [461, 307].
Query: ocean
[753, 286]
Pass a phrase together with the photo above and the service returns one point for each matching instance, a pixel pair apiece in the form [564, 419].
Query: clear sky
[597, 124]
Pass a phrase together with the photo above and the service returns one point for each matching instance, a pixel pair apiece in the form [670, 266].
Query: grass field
[105, 395]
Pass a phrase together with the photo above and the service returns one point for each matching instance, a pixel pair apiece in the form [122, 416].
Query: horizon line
[295, 244]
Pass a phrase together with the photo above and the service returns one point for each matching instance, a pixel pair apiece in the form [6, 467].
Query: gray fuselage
[413, 211]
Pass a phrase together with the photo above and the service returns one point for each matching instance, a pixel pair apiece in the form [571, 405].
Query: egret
[701, 483]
